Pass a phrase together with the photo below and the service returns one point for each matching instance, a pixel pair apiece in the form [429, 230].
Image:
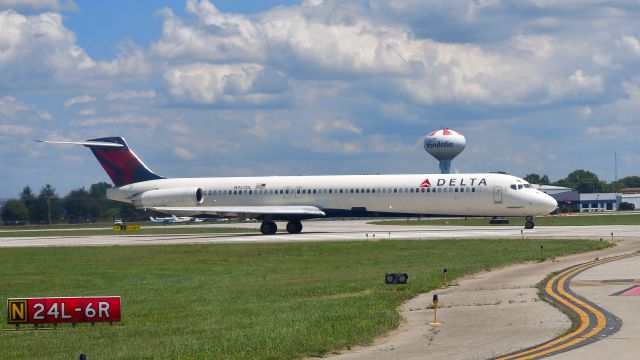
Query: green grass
[103, 224]
[578, 220]
[153, 230]
[240, 301]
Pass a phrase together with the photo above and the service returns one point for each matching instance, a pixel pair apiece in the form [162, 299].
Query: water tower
[444, 145]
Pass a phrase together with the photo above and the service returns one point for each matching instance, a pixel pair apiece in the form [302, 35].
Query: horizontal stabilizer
[85, 143]
[115, 157]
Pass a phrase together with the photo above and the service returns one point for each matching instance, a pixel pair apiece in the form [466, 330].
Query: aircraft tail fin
[121, 164]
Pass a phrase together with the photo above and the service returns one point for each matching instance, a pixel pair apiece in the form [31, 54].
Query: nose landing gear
[529, 222]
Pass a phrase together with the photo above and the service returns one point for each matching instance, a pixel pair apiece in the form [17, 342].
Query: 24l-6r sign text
[63, 310]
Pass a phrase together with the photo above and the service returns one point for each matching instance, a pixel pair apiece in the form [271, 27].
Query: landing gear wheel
[268, 228]
[294, 227]
[529, 224]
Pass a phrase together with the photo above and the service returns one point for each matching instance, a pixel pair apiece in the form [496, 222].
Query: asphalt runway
[335, 231]
[485, 315]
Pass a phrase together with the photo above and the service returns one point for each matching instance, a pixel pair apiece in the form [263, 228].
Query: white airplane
[296, 198]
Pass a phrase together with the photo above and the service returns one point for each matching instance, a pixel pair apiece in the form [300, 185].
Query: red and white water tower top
[444, 145]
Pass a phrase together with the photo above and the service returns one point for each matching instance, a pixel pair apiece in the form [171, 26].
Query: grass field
[152, 230]
[240, 301]
[577, 220]
[146, 224]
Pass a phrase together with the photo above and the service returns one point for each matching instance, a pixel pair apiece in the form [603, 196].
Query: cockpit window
[519, 187]
[527, 186]
[514, 187]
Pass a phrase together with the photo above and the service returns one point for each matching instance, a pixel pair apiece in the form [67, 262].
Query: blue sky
[234, 88]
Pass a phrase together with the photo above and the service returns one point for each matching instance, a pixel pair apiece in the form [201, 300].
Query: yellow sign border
[10, 313]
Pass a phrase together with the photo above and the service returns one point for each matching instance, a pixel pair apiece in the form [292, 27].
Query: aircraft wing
[244, 211]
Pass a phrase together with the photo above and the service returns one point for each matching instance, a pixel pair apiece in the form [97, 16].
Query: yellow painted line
[559, 281]
[585, 323]
[601, 320]
[549, 290]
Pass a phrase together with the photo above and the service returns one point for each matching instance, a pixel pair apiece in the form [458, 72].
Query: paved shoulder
[487, 315]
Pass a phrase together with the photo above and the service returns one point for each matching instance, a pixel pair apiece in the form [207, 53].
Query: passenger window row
[342, 191]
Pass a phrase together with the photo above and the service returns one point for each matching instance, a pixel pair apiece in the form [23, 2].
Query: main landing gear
[270, 228]
[529, 222]
[294, 227]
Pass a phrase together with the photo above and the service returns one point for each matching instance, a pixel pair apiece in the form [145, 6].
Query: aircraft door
[287, 192]
[298, 191]
[497, 195]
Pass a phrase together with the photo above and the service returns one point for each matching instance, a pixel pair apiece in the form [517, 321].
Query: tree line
[584, 181]
[78, 206]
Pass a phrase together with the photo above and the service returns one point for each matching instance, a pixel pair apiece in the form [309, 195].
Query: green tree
[15, 211]
[534, 178]
[99, 202]
[29, 200]
[627, 182]
[47, 206]
[583, 181]
[77, 205]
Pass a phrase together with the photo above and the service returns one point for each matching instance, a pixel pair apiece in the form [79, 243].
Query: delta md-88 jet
[297, 198]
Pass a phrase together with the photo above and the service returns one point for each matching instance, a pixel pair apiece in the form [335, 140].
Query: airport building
[574, 201]
[632, 196]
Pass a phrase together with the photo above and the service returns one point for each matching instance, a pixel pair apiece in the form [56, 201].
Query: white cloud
[338, 40]
[128, 119]
[87, 112]
[180, 128]
[39, 52]
[13, 109]
[242, 84]
[604, 59]
[9, 106]
[341, 125]
[630, 43]
[265, 128]
[10, 130]
[81, 99]
[39, 4]
[215, 36]
[131, 62]
[183, 153]
[585, 81]
[130, 95]
[540, 46]
[628, 132]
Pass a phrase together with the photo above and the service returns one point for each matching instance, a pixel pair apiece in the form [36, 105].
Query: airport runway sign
[53, 310]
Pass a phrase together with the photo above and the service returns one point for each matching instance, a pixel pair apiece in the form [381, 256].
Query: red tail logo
[425, 183]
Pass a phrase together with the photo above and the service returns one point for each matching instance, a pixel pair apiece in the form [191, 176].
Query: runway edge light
[444, 272]
[435, 310]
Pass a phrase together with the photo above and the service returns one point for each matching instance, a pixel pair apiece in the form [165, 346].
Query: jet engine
[188, 196]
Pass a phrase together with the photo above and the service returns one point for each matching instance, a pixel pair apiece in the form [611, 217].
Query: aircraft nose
[549, 203]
